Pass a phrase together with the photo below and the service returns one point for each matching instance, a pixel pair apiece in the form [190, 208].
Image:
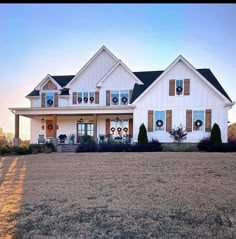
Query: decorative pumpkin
[124, 99]
[159, 123]
[115, 100]
[198, 124]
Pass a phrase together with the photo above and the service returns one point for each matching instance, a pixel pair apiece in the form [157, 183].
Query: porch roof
[99, 110]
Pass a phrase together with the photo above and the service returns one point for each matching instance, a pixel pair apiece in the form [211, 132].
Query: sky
[59, 39]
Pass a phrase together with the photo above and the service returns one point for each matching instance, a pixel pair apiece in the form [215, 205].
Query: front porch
[116, 125]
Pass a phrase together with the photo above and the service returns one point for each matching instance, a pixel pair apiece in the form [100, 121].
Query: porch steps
[66, 148]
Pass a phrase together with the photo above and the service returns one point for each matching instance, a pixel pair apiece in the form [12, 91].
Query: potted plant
[71, 138]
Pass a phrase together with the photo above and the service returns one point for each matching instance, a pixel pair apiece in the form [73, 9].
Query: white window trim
[176, 86]
[119, 97]
[82, 103]
[154, 122]
[204, 123]
[53, 94]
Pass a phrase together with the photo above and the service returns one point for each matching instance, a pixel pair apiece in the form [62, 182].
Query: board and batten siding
[199, 96]
[93, 73]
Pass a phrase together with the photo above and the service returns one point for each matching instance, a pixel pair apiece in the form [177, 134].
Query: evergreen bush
[216, 134]
[142, 135]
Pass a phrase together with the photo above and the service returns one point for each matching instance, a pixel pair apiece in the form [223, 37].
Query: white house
[106, 98]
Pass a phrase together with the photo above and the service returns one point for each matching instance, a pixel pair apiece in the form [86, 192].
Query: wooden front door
[49, 128]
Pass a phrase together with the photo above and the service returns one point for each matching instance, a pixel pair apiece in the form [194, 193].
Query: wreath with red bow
[79, 100]
[50, 102]
[124, 99]
[113, 130]
[115, 100]
[85, 99]
[179, 90]
[50, 127]
[159, 123]
[91, 99]
[198, 124]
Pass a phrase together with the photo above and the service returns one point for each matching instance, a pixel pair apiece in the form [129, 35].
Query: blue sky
[37, 39]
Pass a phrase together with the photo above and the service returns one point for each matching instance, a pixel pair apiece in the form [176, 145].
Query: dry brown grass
[126, 195]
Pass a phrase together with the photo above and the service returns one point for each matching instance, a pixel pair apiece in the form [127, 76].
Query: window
[80, 97]
[124, 96]
[114, 97]
[49, 99]
[84, 129]
[85, 97]
[120, 97]
[179, 87]
[119, 128]
[159, 120]
[198, 120]
[91, 97]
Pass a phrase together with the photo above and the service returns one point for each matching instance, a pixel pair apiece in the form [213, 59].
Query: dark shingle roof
[148, 77]
[34, 93]
[63, 80]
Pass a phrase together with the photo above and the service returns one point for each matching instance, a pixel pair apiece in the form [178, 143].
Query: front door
[84, 129]
[49, 128]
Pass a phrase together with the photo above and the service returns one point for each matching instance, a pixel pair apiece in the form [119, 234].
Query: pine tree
[216, 134]
[142, 135]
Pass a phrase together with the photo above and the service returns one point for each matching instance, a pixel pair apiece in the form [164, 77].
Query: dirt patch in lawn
[119, 195]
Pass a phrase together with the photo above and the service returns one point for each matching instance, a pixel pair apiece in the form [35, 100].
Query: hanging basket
[125, 129]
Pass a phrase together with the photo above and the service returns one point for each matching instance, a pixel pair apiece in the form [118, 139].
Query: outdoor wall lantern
[42, 121]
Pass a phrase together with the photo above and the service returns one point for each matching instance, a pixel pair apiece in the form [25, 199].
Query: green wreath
[50, 127]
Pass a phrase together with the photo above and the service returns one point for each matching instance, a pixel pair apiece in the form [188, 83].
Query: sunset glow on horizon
[59, 39]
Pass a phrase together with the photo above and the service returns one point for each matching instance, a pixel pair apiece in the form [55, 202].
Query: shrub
[87, 139]
[5, 150]
[21, 150]
[87, 144]
[82, 148]
[216, 134]
[179, 134]
[114, 147]
[186, 147]
[142, 135]
[204, 143]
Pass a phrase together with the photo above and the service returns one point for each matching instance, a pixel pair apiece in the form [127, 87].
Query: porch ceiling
[67, 111]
